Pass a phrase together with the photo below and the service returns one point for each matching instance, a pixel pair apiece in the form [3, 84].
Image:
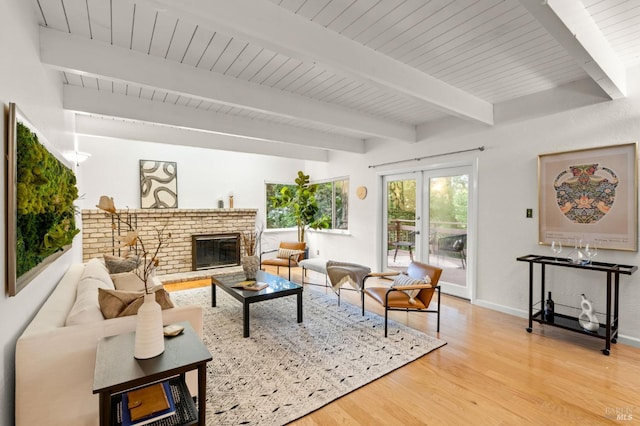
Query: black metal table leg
[245, 319]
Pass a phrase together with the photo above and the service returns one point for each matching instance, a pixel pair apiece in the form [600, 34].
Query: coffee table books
[250, 285]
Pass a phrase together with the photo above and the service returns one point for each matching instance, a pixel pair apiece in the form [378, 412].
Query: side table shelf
[567, 320]
[186, 411]
[117, 371]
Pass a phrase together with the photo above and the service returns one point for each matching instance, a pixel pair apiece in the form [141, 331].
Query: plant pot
[149, 340]
[250, 266]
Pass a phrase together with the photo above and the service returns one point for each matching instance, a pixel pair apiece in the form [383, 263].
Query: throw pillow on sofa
[117, 265]
[127, 281]
[118, 303]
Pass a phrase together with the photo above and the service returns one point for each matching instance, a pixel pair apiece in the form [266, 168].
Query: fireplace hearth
[215, 251]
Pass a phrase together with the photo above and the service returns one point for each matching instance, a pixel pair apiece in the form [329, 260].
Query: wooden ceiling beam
[268, 25]
[131, 130]
[76, 98]
[93, 58]
[575, 30]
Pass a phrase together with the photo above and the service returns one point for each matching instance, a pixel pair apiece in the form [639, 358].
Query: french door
[428, 217]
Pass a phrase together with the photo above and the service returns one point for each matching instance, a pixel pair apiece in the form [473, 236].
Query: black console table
[607, 331]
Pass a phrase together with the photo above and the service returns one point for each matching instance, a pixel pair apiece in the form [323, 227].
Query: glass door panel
[448, 206]
[400, 223]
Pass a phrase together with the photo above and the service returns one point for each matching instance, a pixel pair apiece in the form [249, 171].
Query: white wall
[204, 175]
[507, 179]
[38, 94]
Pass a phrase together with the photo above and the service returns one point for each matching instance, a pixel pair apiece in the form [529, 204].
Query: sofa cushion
[116, 265]
[96, 269]
[86, 309]
[119, 303]
[402, 280]
[127, 281]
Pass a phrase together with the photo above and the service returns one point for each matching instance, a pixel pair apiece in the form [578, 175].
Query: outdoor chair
[412, 291]
[289, 254]
[453, 245]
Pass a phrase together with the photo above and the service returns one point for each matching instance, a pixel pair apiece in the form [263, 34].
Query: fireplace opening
[215, 251]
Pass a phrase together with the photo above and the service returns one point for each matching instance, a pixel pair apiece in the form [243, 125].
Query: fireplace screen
[215, 251]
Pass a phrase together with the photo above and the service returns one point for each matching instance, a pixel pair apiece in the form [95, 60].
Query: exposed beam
[94, 58]
[92, 101]
[137, 131]
[573, 28]
[271, 26]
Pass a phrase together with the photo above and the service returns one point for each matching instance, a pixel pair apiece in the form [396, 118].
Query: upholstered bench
[315, 264]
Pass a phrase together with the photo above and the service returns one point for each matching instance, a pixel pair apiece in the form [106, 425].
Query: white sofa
[55, 362]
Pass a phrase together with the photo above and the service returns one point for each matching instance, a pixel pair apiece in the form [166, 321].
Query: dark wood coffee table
[277, 287]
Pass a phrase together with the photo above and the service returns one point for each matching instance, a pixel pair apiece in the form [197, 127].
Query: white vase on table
[149, 339]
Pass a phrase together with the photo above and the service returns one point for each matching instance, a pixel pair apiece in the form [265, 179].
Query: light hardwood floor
[492, 372]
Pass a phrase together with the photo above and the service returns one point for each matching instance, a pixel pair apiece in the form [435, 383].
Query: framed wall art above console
[590, 195]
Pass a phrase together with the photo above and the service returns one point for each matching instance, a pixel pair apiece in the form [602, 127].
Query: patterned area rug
[286, 370]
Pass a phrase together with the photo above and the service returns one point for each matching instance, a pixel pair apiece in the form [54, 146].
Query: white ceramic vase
[149, 340]
[250, 266]
[587, 318]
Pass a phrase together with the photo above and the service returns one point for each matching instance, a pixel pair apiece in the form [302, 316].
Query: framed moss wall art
[40, 212]
[590, 195]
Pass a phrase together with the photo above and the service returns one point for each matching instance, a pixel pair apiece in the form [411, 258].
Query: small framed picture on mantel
[590, 195]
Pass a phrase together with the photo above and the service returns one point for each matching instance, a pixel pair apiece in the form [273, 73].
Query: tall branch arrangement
[148, 259]
[250, 240]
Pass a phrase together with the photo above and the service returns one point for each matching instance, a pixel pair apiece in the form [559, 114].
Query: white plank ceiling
[324, 74]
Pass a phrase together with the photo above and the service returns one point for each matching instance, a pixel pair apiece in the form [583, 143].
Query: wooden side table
[117, 370]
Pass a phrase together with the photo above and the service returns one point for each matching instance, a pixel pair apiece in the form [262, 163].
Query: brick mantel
[181, 223]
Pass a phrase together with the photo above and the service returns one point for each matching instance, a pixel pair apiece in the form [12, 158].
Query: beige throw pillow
[118, 303]
[402, 280]
[127, 281]
[285, 253]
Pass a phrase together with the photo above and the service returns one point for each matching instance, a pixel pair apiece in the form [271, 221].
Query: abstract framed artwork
[590, 195]
[40, 192]
[158, 184]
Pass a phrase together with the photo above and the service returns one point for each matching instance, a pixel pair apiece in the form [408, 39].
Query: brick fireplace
[182, 223]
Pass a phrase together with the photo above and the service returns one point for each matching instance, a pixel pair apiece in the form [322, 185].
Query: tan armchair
[288, 256]
[396, 297]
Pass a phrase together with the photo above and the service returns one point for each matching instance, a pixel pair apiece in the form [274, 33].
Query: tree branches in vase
[251, 262]
[148, 259]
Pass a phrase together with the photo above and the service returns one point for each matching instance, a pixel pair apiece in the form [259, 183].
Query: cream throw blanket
[342, 272]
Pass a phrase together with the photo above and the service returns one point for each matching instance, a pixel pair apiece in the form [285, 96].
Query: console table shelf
[607, 330]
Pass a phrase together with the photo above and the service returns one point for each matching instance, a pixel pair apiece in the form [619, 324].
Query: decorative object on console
[549, 310]
[579, 188]
[158, 184]
[149, 339]
[587, 318]
[39, 203]
[577, 256]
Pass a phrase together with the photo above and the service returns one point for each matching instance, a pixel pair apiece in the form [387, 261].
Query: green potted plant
[303, 204]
